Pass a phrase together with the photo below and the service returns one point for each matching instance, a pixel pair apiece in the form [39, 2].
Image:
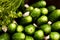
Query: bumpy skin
[5, 36]
[12, 27]
[39, 34]
[18, 36]
[30, 29]
[39, 4]
[42, 20]
[54, 15]
[29, 38]
[46, 28]
[56, 26]
[54, 36]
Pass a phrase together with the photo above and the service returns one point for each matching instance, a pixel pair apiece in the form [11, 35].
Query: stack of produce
[19, 21]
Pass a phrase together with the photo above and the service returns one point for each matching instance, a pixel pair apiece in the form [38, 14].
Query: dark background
[49, 2]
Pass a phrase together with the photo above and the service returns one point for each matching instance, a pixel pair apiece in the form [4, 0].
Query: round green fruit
[44, 11]
[29, 38]
[46, 28]
[39, 35]
[30, 29]
[20, 28]
[12, 27]
[54, 36]
[43, 19]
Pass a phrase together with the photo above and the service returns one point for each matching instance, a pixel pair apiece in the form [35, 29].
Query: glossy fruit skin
[56, 26]
[46, 28]
[20, 28]
[51, 8]
[12, 27]
[26, 20]
[19, 14]
[39, 4]
[43, 19]
[44, 11]
[5, 36]
[30, 8]
[54, 15]
[18, 36]
[54, 36]
[29, 38]
[30, 29]
[39, 35]
[35, 13]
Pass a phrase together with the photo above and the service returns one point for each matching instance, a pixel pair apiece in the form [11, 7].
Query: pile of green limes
[35, 22]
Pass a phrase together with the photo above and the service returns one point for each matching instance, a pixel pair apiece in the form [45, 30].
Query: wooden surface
[49, 2]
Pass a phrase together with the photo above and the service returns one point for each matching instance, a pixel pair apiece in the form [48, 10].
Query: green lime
[12, 27]
[20, 28]
[29, 38]
[44, 11]
[26, 20]
[54, 36]
[30, 29]
[19, 14]
[43, 19]
[30, 8]
[39, 34]
[46, 28]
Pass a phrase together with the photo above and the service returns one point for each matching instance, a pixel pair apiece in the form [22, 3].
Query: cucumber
[54, 15]
[51, 8]
[12, 27]
[18, 36]
[44, 11]
[46, 28]
[54, 36]
[56, 26]
[20, 28]
[29, 38]
[35, 13]
[39, 4]
[5, 36]
[42, 20]
[39, 35]
[26, 20]
[30, 29]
